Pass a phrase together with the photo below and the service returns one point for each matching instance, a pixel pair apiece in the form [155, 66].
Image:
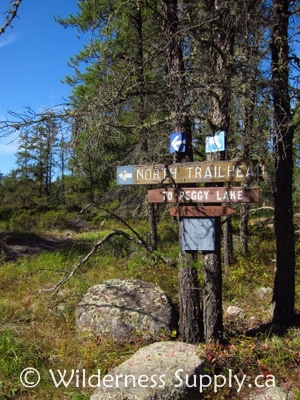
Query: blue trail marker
[125, 175]
[178, 142]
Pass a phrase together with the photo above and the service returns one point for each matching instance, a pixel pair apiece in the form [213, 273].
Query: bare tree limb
[11, 15]
[30, 117]
[138, 241]
[56, 288]
[149, 248]
[262, 208]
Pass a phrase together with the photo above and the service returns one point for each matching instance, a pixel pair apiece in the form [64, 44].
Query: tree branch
[261, 208]
[11, 15]
[138, 241]
[121, 220]
[55, 289]
[30, 117]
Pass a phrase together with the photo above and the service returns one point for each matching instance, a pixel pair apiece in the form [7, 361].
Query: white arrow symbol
[125, 175]
[177, 142]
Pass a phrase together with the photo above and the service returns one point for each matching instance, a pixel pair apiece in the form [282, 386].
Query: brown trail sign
[192, 172]
[204, 195]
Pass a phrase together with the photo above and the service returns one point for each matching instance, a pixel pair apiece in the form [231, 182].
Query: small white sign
[214, 143]
[198, 234]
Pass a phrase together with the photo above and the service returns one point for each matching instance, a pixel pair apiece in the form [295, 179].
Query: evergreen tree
[155, 66]
[36, 157]
[117, 98]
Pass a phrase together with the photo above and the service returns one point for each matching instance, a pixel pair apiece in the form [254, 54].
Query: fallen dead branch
[261, 208]
[96, 246]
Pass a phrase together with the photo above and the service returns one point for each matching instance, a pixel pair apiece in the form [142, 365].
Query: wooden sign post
[200, 224]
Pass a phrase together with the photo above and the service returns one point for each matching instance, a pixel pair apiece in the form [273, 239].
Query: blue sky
[34, 57]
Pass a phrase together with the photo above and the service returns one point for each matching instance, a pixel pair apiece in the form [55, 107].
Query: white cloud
[8, 145]
[5, 40]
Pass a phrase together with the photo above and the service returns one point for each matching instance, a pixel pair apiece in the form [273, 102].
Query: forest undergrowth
[38, 331]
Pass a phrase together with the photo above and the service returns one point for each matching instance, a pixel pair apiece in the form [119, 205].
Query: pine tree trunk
[219, 119]
[284, 285]
[212, 293]
[152, 223]
[244, 234]
[190, 325]
[228, 243]
[190, 315]
[144, 139]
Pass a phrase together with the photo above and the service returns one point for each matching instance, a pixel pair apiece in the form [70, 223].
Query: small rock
[264, 292]
[235, 312]
[269, 394]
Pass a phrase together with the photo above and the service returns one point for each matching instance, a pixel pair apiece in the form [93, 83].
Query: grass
[38, 331]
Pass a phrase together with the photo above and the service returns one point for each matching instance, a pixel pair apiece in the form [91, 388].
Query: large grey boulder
[124, 307]
[160, 371]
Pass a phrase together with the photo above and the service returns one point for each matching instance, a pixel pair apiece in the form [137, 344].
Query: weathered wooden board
[204, 195]
[201, 211]
[207, 171]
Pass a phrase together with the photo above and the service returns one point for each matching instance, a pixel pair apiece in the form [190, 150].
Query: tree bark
[144, 139]
[221, 52]
[284, 284]
[244, 234]
[189, 302]
[212, 293]
[153, 226]
[190, 326]
[228, 243]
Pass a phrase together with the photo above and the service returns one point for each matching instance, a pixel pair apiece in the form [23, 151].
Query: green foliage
[23, 221]
[125, 101]
[40, 332]
[263, 355]
[33, 221]
[121, 108]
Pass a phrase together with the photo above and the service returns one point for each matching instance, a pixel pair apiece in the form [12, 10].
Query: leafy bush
[23, 221]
